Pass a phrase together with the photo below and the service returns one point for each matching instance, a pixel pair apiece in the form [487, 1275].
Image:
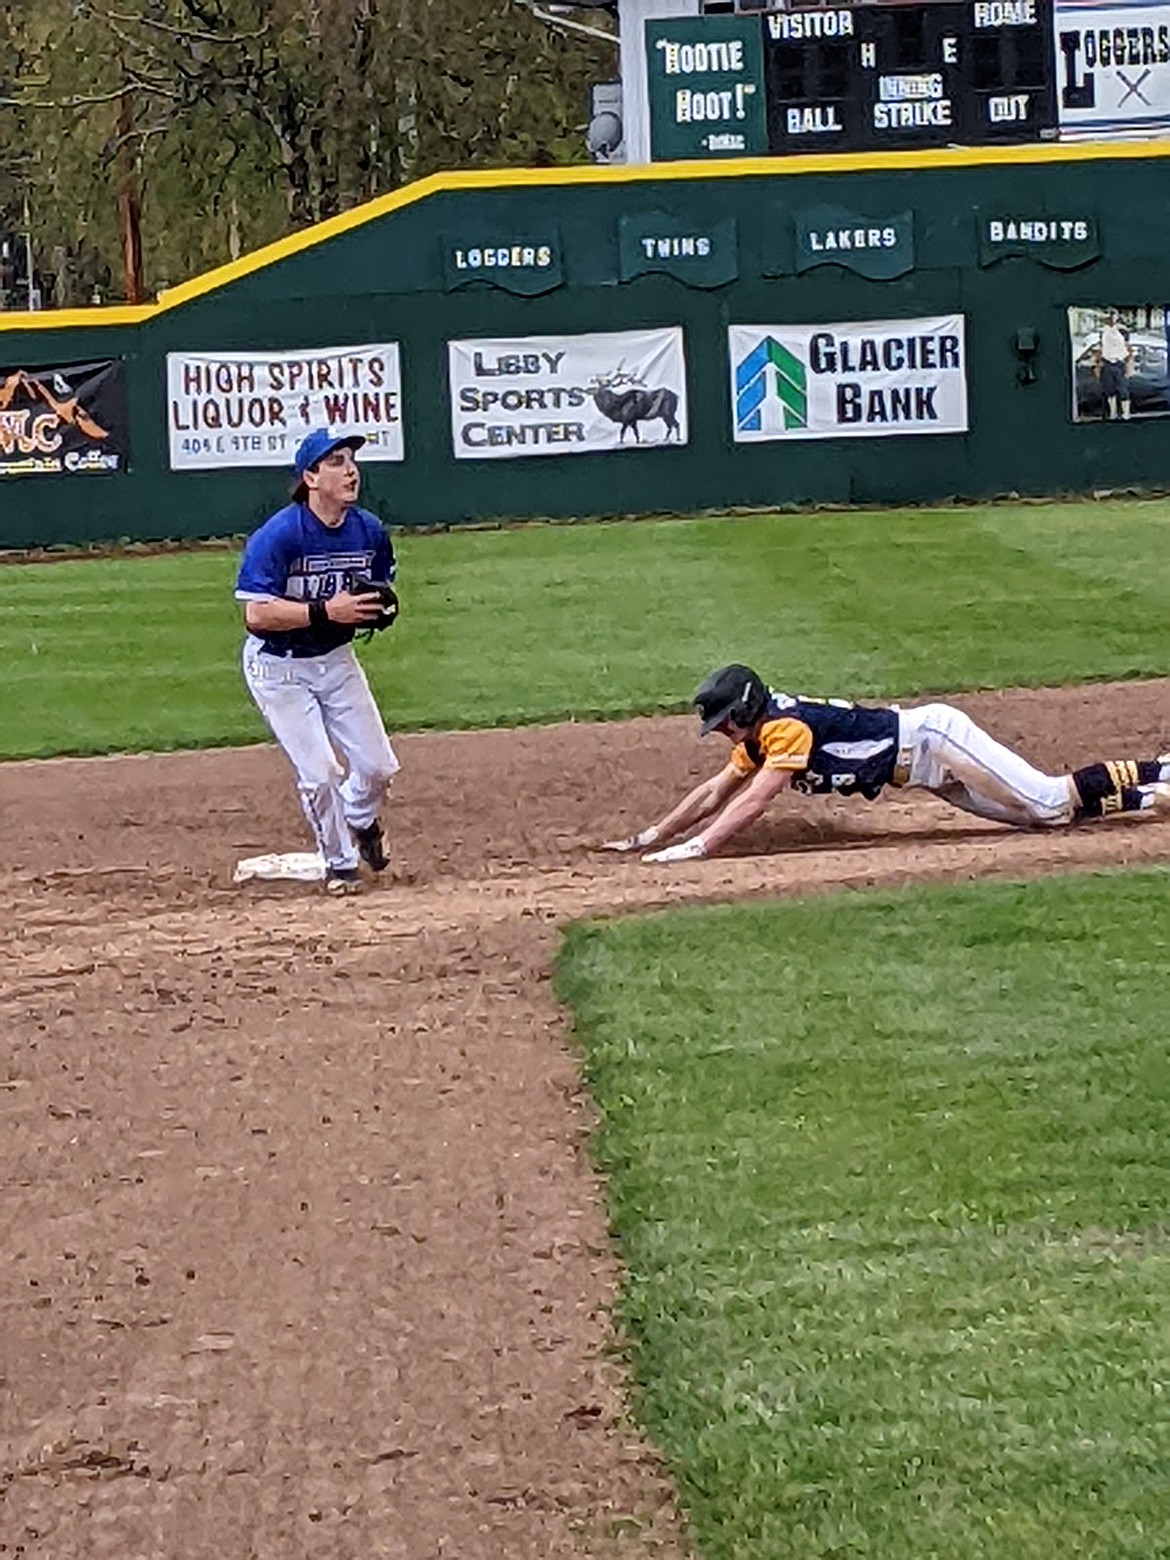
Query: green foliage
[543, 622]
[234, 121]
[59, 162]
[889, 1176]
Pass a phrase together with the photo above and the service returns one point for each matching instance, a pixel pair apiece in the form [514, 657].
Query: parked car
[1149, 376]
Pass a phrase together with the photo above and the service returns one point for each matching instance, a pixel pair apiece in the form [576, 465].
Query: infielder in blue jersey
[296, 582]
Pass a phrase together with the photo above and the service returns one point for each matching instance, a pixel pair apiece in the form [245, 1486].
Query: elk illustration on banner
[625, 400]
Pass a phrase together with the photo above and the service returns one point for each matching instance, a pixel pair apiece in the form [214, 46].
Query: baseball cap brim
[349, 441]
[317, 445]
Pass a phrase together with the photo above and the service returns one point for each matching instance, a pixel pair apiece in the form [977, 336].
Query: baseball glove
[388, 598]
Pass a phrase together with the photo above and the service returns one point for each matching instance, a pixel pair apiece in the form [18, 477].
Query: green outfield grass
[534, 623]
[890, 1176]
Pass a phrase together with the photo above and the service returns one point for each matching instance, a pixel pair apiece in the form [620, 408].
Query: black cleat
[342, 880]
[371, 846]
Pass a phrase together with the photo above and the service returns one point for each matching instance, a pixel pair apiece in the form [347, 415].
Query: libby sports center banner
[567, 395]
[867, 379]
[65, 421]
[254, 408]
[1112, 68]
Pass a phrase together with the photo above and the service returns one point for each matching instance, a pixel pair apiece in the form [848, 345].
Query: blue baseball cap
[316, 445]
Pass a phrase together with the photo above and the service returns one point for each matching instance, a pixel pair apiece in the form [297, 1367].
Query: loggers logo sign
[858, 380]
[1113, 67]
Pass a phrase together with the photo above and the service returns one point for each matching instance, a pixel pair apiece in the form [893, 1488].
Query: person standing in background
[1116, 362]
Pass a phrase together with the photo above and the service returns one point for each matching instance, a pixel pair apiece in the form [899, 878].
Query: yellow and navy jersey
[826, 744]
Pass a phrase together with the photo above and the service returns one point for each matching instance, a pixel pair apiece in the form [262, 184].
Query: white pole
[634, 14]
[28, 262]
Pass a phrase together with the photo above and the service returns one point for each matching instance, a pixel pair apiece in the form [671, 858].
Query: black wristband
[318, 615]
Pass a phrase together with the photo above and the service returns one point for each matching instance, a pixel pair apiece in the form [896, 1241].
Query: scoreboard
[857, 78]
[909, 75]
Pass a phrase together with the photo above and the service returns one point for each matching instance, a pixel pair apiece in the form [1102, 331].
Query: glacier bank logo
[770, 385]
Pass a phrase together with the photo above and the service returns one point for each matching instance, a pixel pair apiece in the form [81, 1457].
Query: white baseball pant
[321, 711]
[944, 751]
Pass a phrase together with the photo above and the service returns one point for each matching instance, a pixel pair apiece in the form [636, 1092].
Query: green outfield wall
[889, 328]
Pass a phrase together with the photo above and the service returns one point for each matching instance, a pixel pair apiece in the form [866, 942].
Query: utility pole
[129, 206]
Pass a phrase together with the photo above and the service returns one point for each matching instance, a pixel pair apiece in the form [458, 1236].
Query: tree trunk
[129, 204]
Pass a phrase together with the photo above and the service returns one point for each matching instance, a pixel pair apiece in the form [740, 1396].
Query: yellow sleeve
[782, 744]
[785, 744]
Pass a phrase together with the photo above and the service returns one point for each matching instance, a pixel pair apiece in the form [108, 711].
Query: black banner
[66, 421]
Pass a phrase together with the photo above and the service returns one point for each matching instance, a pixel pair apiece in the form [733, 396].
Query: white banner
[254, 408]
[867, 379]
[1112, 68]
[567, 395]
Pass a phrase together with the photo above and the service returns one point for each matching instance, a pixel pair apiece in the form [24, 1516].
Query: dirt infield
[304, 1252]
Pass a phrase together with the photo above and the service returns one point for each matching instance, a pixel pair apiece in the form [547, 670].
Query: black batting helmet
[732, 693]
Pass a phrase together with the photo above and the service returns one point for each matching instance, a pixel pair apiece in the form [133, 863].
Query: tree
[231, 122]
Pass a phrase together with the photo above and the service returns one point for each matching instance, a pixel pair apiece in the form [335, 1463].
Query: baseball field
[807, 1201]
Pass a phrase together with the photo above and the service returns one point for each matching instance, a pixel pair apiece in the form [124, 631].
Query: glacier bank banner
[865, 379]
[567, 395]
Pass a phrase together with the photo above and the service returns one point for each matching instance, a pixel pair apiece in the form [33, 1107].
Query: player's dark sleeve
[385, 564]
